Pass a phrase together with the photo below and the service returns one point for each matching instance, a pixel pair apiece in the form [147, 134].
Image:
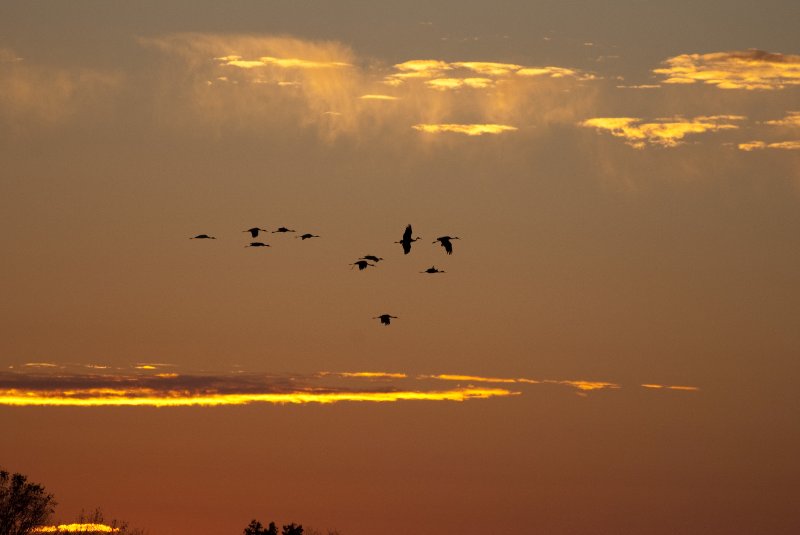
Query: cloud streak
[67, 386]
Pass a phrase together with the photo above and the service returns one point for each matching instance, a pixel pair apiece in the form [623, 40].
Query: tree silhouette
[292, 529]
[23, 505]
[255, 528]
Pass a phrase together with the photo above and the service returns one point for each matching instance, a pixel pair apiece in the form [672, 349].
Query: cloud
[378, 97]
[760, 145]
[468, 129]
[35, 94]
[654, 386]
[750, 69]
[662, 132]
[76, 528]
[70, 386]
[792, 120]
[183, 390]
[442, 75]
[578, 384]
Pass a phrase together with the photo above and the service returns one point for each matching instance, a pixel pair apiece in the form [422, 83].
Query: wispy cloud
[669, 132]
[791, 120]
[749, 69]
[467, 129]
[136, 387]
[761, 145]
[654, 386]
[76, 528]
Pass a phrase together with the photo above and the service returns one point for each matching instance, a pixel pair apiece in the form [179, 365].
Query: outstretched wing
[407, 233]
[406, 246]
[448, 247]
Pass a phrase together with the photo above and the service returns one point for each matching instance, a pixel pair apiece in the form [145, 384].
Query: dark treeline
[256, 528]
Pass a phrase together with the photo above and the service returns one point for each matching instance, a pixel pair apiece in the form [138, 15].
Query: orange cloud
[750, 69]
[664, 132]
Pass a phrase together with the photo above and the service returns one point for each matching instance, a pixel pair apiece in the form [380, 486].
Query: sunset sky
[613, 348]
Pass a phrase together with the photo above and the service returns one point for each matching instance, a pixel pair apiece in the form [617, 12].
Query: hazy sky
[612, 349]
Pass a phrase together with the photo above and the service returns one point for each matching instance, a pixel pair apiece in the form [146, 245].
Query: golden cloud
[792, 119]
[468, 129]
[378, 97]
[760, 145]
[664, 132]
[285, 63]
[76, 528]
[750, 69]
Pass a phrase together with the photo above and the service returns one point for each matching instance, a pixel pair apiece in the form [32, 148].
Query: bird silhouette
[254, 231]
[307, 236]
[445, 241]
[433, 269]
[362, 264]
[386, 319]
[407, 240]
[203, 237]
[372, 257]
[257, 244]
[282, 229]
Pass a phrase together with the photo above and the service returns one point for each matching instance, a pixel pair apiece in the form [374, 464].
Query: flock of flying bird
[363, 262]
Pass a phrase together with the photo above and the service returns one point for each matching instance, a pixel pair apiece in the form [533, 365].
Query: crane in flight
[433, 269]
[372, 257]
[257, 244]
[386, 319]
[445, 241]
[203, 237]
[407, 240]
[254, 231]
[362, 264]
[282, 229]
[307, 236]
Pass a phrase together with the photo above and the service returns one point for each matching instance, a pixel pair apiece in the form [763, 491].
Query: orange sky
[611, 349]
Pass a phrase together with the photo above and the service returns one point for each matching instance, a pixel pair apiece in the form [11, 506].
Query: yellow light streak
[671, 387]
[580, 385]
[444, 84]
[377, 375]
[286, 63]
[149, 398]
[478, 379]
[378, 97]
[468, 129]
[76, 528]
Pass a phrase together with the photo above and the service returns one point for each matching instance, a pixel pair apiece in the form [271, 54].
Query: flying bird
[307, 236]
[445, 241]
[257, 244]
[254, 231]
[407, 240]
[203, 237]
[386, 319]
[433, 269]
[372, 257]
[362, 264]
[282, 229]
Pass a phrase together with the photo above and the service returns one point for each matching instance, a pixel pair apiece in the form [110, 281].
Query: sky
[611, 349]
